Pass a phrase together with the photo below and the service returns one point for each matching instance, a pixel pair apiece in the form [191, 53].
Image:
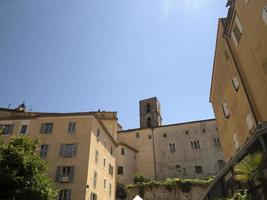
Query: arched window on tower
[148, 108]
[148, 122]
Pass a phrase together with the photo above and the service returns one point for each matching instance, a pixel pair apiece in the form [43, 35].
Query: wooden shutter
[58, 172]
[71, 176]
[74, 149]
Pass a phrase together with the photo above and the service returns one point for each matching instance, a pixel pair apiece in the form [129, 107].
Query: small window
[105, 184]
[172, 147]
[104, 163]
[186, 132]
[149, 137]
[192, 145]
[72, 126]
[23, 129]
[148, 108]
[203, 130]
[43, 150]
[111, 150]
[96, 156]
[110, 189]
[264, 14]
[198, 170]
[237, 31]
[178, 166]
[149, 122]
[235, 83]
[95, 179]
[65, 174]
[164, 135]
[46, 128]
[110, 170]
[98, 133]
[93, 196]
[250, 123]
[6, 129]
[64, 195]
[137, 135]
[225, 110]
[120, 170]
[68, 150]
[226, 55]
[122, 151]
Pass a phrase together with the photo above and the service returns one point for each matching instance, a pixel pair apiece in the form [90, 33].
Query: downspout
[154, 153]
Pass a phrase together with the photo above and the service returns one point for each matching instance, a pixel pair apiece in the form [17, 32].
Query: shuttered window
[64, 195]
[237, 31]
[43, 150]
[6, 129]
[225, 109]
[46, 128]
[65, 174]
[68, 150]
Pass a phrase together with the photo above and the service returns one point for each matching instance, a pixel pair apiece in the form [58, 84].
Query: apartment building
[239, 90]
[79, 148]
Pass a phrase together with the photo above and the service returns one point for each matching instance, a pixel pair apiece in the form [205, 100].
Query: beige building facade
[78, 147]
[239, 81]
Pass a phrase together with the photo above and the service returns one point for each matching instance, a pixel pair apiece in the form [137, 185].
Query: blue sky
[83, 55]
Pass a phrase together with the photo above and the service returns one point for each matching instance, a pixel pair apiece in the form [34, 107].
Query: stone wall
[162, 193]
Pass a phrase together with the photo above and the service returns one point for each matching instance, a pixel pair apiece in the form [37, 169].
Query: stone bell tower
[150, 113]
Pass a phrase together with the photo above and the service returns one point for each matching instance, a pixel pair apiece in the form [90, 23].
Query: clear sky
[84, 55]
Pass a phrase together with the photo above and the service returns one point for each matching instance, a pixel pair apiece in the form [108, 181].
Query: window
[237, 31]
[96, 156]
[98, 133]
[186, 132]
[122, 151]
[7, 129]
[93, 196]
[235, 83]
[64, 195]
[65, 174]
[68, 150]
[148, 108]
[172, 147]
[249, 122]
[148, 123]
[164, 135]
[110, 189]
[43, 150]
[110, 170]
[226, 55]
[23, 129]
[203, 130]
[104, 163]
[71, 128]
[178, 167]
[195, 144]
[137, 135]
[120, 170]
[46, 128]
[198, 170]
[264, 14]
[111, 150]
[105, 184]
[149, 136]
[95, 179]
[225, 110]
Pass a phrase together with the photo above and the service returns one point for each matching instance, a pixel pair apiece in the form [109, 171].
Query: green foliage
[240, 195]
[248, 167]
[23, 174]
[170, 183]
[140, 179]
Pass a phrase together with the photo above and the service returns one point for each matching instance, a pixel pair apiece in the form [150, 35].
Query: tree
[23, 174]
[248, 167]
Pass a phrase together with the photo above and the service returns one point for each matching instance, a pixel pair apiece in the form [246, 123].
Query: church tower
[150, 113]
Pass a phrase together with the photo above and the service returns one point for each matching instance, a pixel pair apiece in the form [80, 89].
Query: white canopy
[137, 198]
